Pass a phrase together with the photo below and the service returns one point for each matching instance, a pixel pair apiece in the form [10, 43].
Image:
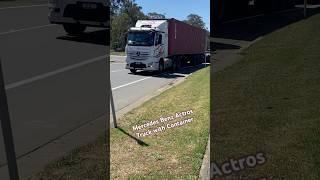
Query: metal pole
[7, 131]
[113, 109]
[305, 8]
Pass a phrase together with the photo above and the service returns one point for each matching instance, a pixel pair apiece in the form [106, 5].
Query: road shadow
[252, 28]
[140, 142]
[172, 75]
[100, 37]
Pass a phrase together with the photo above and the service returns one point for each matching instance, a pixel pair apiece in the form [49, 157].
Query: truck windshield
[141, 38]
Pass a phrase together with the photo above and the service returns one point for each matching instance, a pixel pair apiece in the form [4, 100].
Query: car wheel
[133, 71]
[74, 29]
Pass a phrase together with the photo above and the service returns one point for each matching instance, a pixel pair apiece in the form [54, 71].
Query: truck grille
[135, 65]
[76, 11]
[140, 56]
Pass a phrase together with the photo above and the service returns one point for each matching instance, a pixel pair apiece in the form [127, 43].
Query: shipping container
[185, 39]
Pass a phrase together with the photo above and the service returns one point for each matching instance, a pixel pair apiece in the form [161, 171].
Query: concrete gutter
[205, 167]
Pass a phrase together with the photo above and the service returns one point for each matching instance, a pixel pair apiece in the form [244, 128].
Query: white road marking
[52, 73]
[118, 56]
[124, 85]
[118, 70]
[27, 29]
[17, 7]
[116, 63]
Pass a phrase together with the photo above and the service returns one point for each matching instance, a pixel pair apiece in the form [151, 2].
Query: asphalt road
[129, 88]
[56, 86]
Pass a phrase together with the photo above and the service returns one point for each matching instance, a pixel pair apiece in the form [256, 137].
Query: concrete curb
[205, 167]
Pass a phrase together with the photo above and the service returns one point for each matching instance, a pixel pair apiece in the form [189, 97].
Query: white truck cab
[147, 46]
[76, 15]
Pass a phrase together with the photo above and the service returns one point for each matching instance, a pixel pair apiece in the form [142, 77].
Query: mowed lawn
[270, 102]
[175, 153]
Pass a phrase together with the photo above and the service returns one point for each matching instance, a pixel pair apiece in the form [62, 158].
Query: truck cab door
[159, 49]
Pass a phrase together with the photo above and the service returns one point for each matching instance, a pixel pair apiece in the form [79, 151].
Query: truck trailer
[160, 44]
[76, 15]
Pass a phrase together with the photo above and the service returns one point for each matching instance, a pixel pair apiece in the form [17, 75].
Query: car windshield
[141, 38]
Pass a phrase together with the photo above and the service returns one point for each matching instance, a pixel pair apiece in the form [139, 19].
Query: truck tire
[74, 29]
[174, 66]
[161, 66]
[133, 71]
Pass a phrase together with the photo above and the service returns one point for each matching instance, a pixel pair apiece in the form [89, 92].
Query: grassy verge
[269, 102]
[118, 53]
[175, 153]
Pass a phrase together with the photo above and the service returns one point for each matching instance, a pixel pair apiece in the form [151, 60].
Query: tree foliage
[195, 20]
[120, 25]
[124, 14]
[154, 15]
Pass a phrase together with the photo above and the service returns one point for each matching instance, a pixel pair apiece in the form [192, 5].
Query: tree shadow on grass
[252, 28]
[140, 142]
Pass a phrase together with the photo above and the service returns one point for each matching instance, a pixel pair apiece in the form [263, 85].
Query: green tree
[120, 26]
[133, 10]
[125, 14]
[114, 7]
[195, 20]
[154, 15]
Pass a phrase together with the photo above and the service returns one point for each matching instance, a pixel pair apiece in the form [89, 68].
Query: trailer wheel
[74, 29]
[174, 66]
[178, 64]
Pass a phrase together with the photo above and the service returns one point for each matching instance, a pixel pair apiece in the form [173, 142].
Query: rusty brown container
[185, 39]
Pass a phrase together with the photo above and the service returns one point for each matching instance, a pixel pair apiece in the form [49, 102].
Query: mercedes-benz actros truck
[157, 45]
[76, 15]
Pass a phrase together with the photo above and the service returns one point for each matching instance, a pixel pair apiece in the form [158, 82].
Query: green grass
[174, 154]
[270, 102]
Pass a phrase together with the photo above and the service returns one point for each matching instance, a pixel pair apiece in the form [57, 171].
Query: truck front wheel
[74, 29]
[161, 66]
